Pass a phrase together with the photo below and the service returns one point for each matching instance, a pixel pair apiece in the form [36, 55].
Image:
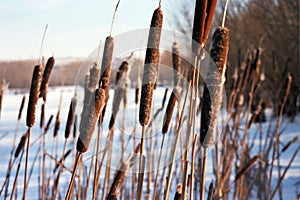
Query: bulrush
[46, 76]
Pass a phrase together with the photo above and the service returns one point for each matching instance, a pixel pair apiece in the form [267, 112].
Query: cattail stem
[203, 174]
[16, 177]
[26, 163]
[156, 176]
[141, 172]
[56, 182]
[70, 188]
[96, 175]
[193, 166]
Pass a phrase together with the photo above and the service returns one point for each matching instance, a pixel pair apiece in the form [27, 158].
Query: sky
[75, 27]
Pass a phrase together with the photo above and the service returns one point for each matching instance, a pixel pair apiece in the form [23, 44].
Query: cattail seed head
[48, 124]
[34, 95]
[106, 66]
[175, 96]
[198, 26]
[89, 120]
[71, 116]
[118, 96]
[213, 88]
[151, 60]
[176, 62]
[46, 76]
[42, 120]
[124, 66]
[94, 74]
[21, 145]
[21, 108]
[57, 124]
[75, 127]
[210, 10]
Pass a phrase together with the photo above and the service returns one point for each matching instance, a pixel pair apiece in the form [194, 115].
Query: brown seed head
[33, 95]
[46, 76]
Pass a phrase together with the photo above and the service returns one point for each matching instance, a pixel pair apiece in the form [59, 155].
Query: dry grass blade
[89, 121]
[34, 95]
[46, 76]
[60, 161]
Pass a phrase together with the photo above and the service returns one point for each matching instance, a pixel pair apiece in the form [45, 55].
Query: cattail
[46, 76]
[21, 108]
[60, 161]
[48, 124]
[118, 96]
[210, 191]
[175, 96]
[118, 77]
[289, 144]
[176, 60]
[124, 67]
[247, 167]
[164, 98]
[57, 124]
[178, 194]
[71, 116]
[88, 125]
[34, 95]
[75, 127]
[94, 74]
[106, 66]
[214, 86]
[42, 120]
[21, 145]
[151, 59]
[120, 176]
[198, 26]
[137, 90]
[210, 10]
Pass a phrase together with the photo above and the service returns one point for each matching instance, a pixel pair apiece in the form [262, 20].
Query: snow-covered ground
[8, 122]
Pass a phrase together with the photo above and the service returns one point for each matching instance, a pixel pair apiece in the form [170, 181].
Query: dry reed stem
[157, 171]
[71, 117]
[46, 76]
[198, 25]
[173, 153]
[89, 121]
[151, 61]
[192, 166]
[34, 95]
[77, 160]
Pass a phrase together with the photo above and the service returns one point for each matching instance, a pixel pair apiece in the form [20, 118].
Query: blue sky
[75, 27]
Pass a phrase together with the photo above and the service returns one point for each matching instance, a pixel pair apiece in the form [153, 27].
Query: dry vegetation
[239, 170]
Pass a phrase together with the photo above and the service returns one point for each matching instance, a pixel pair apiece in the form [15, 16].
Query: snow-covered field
[8, 122]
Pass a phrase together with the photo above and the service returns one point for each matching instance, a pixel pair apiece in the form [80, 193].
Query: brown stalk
[71, 116]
